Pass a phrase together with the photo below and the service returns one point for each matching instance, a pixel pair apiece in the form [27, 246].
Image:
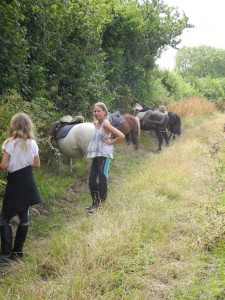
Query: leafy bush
[42, 112]
[209, 88]
[177, 87]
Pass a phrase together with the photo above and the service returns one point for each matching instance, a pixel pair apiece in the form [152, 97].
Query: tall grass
[150, 240]
[193, 111]
[193, 107]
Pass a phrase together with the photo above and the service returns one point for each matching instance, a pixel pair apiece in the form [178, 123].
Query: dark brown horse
[155, 120]
[174, 123]
[128, 125]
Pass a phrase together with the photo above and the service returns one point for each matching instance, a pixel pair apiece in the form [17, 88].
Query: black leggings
[23, 217]
[98, 178]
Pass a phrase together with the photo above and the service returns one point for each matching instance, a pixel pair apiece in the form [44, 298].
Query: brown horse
[128, 125]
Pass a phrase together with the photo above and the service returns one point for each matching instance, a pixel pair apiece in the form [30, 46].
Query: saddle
[155, 117]
[63, 126]
[115, 118]
[141, 114]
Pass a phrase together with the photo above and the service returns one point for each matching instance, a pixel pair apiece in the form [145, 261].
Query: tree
[13, 45]
[132, 41]
[78, 52]
[201, 61]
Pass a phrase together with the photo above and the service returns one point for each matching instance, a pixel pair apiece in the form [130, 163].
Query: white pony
[75, 143]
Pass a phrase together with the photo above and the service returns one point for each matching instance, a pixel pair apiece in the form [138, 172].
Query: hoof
[92, 209]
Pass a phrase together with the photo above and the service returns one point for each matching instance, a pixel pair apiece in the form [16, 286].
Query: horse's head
[136, 109]
[138, 106]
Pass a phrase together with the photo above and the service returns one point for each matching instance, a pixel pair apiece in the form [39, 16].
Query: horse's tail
[138, 127]
[174, 123]
[177, 127]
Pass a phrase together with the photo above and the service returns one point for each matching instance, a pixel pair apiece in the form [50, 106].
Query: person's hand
[106, 141]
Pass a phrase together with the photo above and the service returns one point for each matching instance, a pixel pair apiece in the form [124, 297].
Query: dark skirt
[21, 192]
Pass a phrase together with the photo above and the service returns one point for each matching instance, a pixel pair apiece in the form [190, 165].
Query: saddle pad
[116, 118]
[141, 115]
[64, 131]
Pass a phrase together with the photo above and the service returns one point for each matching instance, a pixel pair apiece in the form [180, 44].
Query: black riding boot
[96, 201]
[21, 234]
[6, 242]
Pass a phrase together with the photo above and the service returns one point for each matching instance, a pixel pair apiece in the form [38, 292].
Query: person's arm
[5, 161]
[117, 134]
[36, 162]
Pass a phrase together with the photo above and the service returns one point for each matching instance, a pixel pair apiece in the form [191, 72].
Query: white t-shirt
[20, 157]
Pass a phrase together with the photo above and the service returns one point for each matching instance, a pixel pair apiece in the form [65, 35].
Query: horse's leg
[170, 135]
[127, 137]
[160, 137]
[71, 165]
[135, 140]
[164, 133]
[60, 160]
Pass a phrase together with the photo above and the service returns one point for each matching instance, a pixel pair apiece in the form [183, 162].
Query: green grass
[158, 236]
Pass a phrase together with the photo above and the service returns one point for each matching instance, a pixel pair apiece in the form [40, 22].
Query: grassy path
[155, 237]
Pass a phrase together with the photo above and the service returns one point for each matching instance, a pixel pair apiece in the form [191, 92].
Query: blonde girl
[101, 151]
[20, 155]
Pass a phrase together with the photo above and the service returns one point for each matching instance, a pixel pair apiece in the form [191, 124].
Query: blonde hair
[22, 128]
[104, 107]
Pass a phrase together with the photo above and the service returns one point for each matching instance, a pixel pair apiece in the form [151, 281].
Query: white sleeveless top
[97, 147]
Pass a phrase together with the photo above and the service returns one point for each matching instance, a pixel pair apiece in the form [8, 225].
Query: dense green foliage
[42, 112]
[132, 42]
[75, 53]
[204, 69]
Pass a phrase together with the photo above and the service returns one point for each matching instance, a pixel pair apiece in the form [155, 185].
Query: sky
[208, 19]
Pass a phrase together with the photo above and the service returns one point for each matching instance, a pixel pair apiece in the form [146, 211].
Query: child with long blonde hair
[101, 150]
[20, 155]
